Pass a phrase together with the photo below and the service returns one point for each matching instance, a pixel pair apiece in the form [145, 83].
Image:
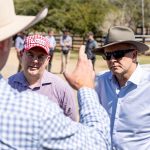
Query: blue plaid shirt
[29, 121]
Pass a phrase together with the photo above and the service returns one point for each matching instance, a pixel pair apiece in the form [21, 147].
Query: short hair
[65, 30]
[90, 33]
[50, 30]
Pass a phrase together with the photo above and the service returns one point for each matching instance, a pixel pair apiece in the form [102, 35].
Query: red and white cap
[36, 41]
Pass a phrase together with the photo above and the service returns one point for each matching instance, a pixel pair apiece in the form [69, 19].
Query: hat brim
[20, 23]
[33, 46]
[141, 47]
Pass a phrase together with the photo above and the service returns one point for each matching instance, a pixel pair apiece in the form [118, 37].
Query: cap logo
[38, 41]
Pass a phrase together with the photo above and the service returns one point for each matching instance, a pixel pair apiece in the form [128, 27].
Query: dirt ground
[12, 64]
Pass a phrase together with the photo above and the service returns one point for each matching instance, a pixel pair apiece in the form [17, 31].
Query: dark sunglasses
[116, 54]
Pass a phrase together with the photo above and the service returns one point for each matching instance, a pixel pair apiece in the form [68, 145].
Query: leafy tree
[79, 16]
[130, 12]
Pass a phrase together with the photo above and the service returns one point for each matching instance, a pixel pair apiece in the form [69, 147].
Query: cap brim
[27, 49]
[141, 47]
[21, 23]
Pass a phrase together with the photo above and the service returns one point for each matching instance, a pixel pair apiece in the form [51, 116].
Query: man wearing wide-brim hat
[124, 90]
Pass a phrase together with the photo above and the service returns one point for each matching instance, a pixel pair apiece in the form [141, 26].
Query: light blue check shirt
[19, 43]
[52, 42]
[29, 121]
[128, 108]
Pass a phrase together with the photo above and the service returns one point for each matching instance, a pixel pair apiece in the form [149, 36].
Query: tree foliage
[131, 12]
[81, 16]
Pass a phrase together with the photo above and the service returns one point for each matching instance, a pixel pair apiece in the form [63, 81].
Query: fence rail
[77, 41]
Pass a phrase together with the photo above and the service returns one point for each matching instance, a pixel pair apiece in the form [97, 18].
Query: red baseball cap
[36, 41]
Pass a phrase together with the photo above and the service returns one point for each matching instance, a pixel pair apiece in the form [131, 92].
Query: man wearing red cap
[34, 59]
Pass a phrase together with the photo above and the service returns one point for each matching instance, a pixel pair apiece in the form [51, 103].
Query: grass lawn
[100, 64]
[142, 59]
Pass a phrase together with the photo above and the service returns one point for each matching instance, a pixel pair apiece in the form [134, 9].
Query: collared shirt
[52, 42]
[52, 86]
[128, 108]
[66, 41]
[19, 43]
[90, 45]
[29, 121]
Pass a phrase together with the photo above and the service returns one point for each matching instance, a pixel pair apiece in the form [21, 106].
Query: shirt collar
[46, 79]
[20, 78]
[1, 76]
[135, 77]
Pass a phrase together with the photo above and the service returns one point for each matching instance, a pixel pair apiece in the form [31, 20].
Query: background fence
[77, 40]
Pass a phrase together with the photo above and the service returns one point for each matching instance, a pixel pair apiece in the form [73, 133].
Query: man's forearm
[92, 114]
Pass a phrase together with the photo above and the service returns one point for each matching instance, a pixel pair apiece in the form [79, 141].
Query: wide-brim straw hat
[10, 23]
[121, 34]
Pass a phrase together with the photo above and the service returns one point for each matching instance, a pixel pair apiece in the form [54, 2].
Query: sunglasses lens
[118, 54]
[106, 56]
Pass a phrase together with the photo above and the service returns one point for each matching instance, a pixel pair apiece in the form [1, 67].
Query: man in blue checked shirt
[29, 121]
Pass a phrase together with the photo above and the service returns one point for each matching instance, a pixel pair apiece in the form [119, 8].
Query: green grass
[142, 59]
[100, 64]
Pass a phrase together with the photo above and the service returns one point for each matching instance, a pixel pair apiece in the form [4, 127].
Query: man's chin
[33, 72]
[116, 70]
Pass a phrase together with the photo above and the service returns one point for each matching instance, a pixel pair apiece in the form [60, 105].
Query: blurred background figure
[66, 45]
[43, 33]
[19, 44]
[90, 45]
[52, 42]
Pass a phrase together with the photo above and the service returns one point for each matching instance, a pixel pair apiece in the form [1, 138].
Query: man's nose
[35, 59]
[112, 58]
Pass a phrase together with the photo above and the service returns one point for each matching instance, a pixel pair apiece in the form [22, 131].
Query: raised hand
[83, 74]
